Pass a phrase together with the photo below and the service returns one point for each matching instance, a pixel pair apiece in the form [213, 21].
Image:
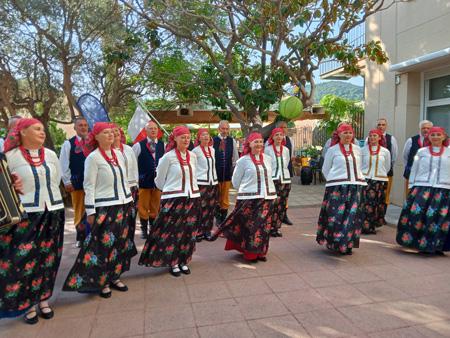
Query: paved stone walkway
[302, 291]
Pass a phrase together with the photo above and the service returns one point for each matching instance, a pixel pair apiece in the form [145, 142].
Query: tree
[252, 49]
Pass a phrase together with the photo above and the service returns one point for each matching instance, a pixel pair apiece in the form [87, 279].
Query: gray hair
[222, 122]
[79, 118]
[425, 122]
[382, 119]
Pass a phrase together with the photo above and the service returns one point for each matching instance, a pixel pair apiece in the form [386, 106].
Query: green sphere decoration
[291, 107]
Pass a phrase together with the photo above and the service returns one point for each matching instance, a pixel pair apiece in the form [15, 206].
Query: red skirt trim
[249, 256]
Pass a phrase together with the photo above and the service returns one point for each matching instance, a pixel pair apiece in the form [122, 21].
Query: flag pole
[150, 114]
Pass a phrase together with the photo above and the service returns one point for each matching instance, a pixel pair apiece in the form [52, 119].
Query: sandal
[31, 319]
[46, 311]
[106, 292]
[119, 286]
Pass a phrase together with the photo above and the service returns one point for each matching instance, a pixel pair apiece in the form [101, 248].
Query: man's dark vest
[76, 165]
[147, 164]
[289, 146]
[224, 160]
[415, 146]
[389, 147]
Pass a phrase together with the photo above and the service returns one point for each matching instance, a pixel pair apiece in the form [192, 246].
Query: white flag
[136, 127]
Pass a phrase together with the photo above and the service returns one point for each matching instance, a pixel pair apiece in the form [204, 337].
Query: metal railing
[356, 37]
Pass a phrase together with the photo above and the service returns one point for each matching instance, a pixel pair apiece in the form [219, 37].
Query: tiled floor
[302, 291]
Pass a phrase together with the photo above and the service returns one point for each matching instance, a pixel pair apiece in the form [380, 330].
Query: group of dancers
[179, 194]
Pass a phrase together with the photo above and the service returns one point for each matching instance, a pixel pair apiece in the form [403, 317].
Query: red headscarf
[382, 140]
[437, 129]
[91, 143]
[274, 131]
[250, 138]
[342, 128]
[177, 131]
[199, 133]
[13, 138]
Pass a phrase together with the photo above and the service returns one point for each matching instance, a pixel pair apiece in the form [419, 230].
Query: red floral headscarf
[382, 140]
[199, 133]
[274, 131]
[177, 131]
[13, 138]
[91, 143]
[437, 129]
[342, 128]
[250, 138]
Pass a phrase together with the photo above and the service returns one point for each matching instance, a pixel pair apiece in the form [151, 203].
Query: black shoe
[286, 220]
[175, 271]
[48, 314]
[273, 233]
[440, 253]
[256, 260]
[262, 259]
[114, 285]
[31, 320]
[105, 294]
[278, 233]
[199, 238]
[349, 252]
[144, 229]
[212, 237]
[185, 269]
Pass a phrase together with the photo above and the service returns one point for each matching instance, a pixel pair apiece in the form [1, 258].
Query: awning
[422, 62]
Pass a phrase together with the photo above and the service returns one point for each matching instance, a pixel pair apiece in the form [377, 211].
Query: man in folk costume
[289, 144]
[412, 146]
[148, 153]
[226, 155]
[72, 160]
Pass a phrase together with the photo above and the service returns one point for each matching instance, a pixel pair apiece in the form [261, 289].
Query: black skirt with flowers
[339, 225]
[374, 206]
[30, 253]
[279, 208]
[107, 251]
[172, 237]
[424, 221]
[209, 200]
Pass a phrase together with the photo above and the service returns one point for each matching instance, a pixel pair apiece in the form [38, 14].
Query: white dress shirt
[175, 180]
[253, 181]
[206, 167]
[431, 171]
[105, 184]
[64, 160]
[376, 167]
[137, 146]
[41, 183]
[339, 169]
[2, 144]
[131, 165]
[279, 164]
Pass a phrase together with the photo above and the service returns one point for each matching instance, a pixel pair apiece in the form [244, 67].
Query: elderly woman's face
[34, 134]
[257, 145]
[437, 138]
[346, 136]
[116, 132]
[278, 137]
[374, 138]
[183, 141]
[204, 138]
[105, 137]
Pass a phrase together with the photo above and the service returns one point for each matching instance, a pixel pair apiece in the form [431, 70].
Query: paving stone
[304, 300]
[343, 295]
[278, 327]
[216, 312]
[230, 330]
[170, 317]
[121, 324]
[248, 287]
[261, 306]
[287, 282]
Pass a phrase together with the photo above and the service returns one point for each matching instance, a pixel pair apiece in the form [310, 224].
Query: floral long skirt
[424, 220]
[279, 207]
[339, 225]
[209, 200]
[374, 206]
[135, 195]
[30, 253]
[247, 227]
[172, 237]
[106, 252]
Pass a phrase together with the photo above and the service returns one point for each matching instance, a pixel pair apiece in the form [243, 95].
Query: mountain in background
[339, 88]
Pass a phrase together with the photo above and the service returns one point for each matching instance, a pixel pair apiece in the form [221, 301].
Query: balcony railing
[356, 37]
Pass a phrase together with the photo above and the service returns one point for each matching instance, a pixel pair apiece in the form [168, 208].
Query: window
[437, 100]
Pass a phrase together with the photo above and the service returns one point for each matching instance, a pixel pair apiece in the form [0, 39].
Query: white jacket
[206, 167]
[431, 171]
[376, 167]
[105, 184]
[339, 169]
[279, 164]
[174, 180]
[253, 181]
[131, 165]
[40, 184]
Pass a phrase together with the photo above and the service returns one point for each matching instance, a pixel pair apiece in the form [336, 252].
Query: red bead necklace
[277, 153]
[113, 159]
[206, 151]
[26, 154]
[345, 152]
[439, 153]
[376, 152]
[180, 159]
[255, 161]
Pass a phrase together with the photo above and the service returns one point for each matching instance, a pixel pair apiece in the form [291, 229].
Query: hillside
[339, 88]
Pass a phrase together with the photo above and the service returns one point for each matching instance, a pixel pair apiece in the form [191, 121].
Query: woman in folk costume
[107, 251]
[248, 226]
[425, 219]
[207, 183]
[279, 154]
[30, 252]
[376, 163]
[171, 241]
[131, 166]
[339, 224]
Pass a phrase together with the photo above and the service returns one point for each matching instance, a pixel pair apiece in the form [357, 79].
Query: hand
[69, 187]
[17, 183]
[90, 219]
